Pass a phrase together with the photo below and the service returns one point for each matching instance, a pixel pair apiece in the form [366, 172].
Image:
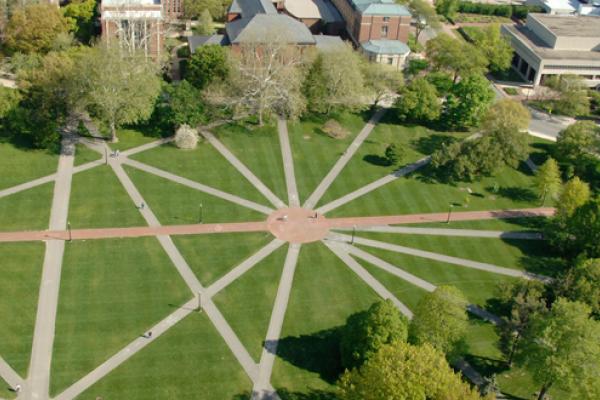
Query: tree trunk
[513, 348]
[544, 390]
[113, 133]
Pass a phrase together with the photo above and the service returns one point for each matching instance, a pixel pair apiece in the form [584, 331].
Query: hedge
[500, 10]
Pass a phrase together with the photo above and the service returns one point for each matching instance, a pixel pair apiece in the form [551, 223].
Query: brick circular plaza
[297, 225]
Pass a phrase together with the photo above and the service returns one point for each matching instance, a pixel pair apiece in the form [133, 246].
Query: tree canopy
[574, 194]
[366, 332]
[468, 102]
[207, 65]
[419, 101]
[578, 142]
[495, 47]
[547, 179]
[457, 56]
[582, 283]
[583, 230]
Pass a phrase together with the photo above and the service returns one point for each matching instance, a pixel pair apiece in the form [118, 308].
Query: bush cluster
[499, 10]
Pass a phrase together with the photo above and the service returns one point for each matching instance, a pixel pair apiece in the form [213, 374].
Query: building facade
[556, 45]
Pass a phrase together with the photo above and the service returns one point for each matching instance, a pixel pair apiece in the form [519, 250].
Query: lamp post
[353, 233]
[200, 213]
[69, 229]
[199, 301]
[449, 212]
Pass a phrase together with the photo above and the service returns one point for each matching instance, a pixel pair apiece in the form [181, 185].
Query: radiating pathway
[288, 163]
[448, 232]
[242, 169]
[314, 198]
[38, 382]
[9, 375]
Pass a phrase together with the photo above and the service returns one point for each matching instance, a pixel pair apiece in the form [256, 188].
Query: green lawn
[314, 152]
[369, 162]
[190, 361]
[5, 390]
[84, 154]
[175, 204]
[20, 164]
[416, 194]
[540, 149]
[510, 253]
[258, 148]
[98, 200]
[212, 256]
[132, 137]
[247, 303]
[204, 165]
[112, 291]
[324, 294]
[497, 224]
[21, 273]
[477, 286]
[27, 210]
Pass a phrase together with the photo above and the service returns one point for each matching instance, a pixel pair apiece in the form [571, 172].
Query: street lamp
[200, 213]
[69, 229]
[199, 301]
[449, 212]
[353, 233]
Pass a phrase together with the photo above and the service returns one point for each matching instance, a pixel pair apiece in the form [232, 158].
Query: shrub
[186, 137]
[183, 52]
[499, 10]
[334, 130]
[511, 91]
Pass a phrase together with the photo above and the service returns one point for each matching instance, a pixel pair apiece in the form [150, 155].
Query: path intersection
[291, 225]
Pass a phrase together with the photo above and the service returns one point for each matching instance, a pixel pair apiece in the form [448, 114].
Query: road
[547, 126]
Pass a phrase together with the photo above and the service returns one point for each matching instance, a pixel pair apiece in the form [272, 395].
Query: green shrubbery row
[499, 10]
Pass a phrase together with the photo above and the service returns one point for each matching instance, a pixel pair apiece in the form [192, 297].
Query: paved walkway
[262, 388]
[198, 186]
[314, 198]
[38, 382]
[147, 146]
[373, 185]
[448, 232]
[343, 252]
[288, 163]
[237, 164]
[9, 375]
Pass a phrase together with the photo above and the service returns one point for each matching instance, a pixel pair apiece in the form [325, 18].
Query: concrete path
[237, 164]
[444, 258]
[342, 251]
[123, 355]
[373, 185]
[198, 186]
[262, 389]
[27, 185]
[531, 165]
[38, 382]
[244, 267]
[448, 232]
[288, 163]
[314, 198]
[147, 146]
[9, 375]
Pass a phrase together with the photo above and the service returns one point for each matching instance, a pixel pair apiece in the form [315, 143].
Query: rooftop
[261, 27]
[328, 43]
[197, 41]
[380, 7]
[318, 9]
[249, 8]
[570, 25]
[386, 47]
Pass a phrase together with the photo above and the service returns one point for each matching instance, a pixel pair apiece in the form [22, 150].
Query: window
[390, 60]
[384, 31]
[386, 19]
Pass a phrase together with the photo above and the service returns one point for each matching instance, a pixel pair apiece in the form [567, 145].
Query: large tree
[506, 114]
[195, 8]
[34, 28]
[81, 16]
[547, 179]
[366, 332]
[402, 371]
[440, 319]
[424, 15]
[561, 349]
[573, 194]
[117, 88]
[495, 47]
[578, 143]
[583, 230]
[457, 56]
[209, 64]
[382, 82]
[419, 101]
[582, 283]
[468, 102]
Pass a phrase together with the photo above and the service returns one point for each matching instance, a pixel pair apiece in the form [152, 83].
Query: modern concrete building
[556, 45]
[569, 7]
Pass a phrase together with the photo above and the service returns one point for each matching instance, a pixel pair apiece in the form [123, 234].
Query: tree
[314, 87]
[186, 137]
[381, 81]
[468, 102]
[366, 332]
[34, 28]
[457, 56]
[401, 371]
[578, 142]
[582, 283]
[9, 99]
[440, 319]
[547, 179]
[208, 64]
[574, 194]
[583, 230]
[562, 348]
[506, 114]
[118, 89]
[265, 79]
[447, 8]
[205, 24]
[495, 47]
[573, 98]
[393, 154]
[424, 15]
[80, 15]
[184, 105]
[195, 8]
[419, 101]
[520, 301]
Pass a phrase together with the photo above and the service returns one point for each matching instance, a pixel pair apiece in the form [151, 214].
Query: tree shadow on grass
[541, 153]
[431, 143]
[515, 193]
[22, 142]
[538, 257]
[376, 160]
[284, 394]
[318, 352]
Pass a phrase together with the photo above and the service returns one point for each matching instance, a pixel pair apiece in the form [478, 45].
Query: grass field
[247, 303]
[24, 164]
[112, 291]
[175, 204]
[132, 137]
[533, 224]
[84, 154]
[204, 165]
[324, 294]
[21, 269]
[6, 391]
[258, 148]
[314, 152]
[189, 362]
[27, 210]
[212, 256]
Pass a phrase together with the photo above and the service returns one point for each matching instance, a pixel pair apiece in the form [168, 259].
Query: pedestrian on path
[142, 205]
[149, 335]
[17, 388]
